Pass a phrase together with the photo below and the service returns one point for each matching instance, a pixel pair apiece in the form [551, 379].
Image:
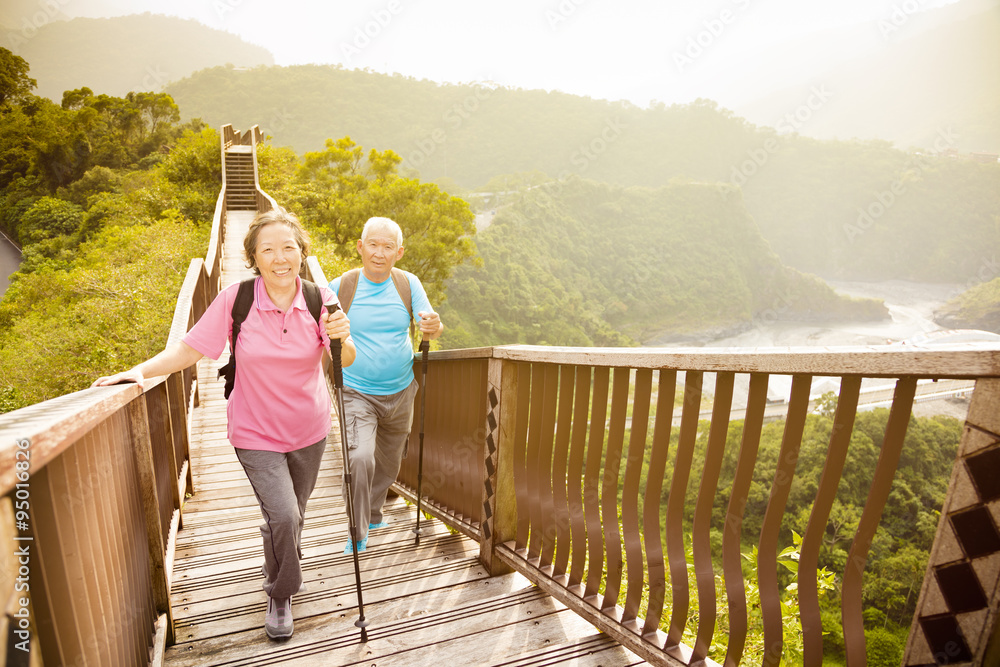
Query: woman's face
[278, 256]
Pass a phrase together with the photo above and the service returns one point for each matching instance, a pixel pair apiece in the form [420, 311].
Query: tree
[49, 217]
[336, 190]
[15, 84]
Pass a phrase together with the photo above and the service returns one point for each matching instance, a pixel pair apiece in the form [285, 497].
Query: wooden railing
[540, 454]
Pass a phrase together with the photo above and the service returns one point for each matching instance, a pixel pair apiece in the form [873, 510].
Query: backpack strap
[349, 285]
[241, 307]
[314, 298]
[402, 284]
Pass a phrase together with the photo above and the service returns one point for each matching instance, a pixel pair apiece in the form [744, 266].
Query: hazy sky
[640, 50]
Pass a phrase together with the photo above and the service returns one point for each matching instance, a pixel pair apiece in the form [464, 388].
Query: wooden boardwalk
[430, 604]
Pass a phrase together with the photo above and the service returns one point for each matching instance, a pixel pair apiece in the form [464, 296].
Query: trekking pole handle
[338, 368]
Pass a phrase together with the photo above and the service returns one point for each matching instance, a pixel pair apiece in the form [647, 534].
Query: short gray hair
[375, 225]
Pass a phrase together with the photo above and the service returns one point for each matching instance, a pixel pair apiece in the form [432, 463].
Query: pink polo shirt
[280, 400]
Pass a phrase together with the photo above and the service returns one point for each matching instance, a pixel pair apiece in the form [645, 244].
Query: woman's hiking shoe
[278, 620]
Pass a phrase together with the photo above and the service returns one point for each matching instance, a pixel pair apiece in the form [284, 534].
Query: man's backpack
[349, 285]
[241, 308]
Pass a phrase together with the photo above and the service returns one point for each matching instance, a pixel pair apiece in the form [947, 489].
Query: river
[10, 259]
[911, 309]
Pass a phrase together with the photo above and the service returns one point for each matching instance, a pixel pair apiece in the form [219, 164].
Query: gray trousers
[377, 430]
[282, 483]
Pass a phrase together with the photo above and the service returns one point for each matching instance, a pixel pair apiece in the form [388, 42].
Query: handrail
[519, 438]
[264, 201]
[960, 360]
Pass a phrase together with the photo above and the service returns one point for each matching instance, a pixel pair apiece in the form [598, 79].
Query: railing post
[959, 607]
[499, 521]
[181, 433]
[139, 435]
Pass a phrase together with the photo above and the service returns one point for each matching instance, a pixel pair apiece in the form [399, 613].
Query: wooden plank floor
[430, 604]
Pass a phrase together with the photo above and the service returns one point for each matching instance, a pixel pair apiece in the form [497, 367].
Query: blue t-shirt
[380, 331]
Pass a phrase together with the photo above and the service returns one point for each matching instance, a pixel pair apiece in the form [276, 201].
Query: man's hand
[430, 325]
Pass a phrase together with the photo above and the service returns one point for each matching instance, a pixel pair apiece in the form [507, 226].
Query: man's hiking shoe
[362, 545]
[278, 620]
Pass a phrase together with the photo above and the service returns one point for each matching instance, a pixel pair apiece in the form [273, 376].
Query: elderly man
[379, 386]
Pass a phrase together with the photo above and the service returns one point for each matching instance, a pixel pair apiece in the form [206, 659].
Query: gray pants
[377, 430]
[282, 483]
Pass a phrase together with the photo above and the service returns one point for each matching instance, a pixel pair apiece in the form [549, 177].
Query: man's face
[379, 252]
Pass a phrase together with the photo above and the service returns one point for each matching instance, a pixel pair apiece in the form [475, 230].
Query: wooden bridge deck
[430, 604]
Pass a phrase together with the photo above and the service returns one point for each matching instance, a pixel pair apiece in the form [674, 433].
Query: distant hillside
[585, 263]
[938, 69]
[115, 55]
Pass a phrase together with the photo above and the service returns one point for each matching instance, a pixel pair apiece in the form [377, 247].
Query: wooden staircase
[241, 187]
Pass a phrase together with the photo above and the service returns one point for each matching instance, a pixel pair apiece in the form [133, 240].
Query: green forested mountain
[585, 263]
[128, 53]
[848, 209]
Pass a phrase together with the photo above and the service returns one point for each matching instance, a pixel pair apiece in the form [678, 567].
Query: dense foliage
[584, 263]
[109, 198]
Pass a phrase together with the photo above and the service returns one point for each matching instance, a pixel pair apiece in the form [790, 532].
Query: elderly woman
[279, 408]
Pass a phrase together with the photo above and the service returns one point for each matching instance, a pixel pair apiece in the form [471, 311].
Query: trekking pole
[338, 385]
[424, 347]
